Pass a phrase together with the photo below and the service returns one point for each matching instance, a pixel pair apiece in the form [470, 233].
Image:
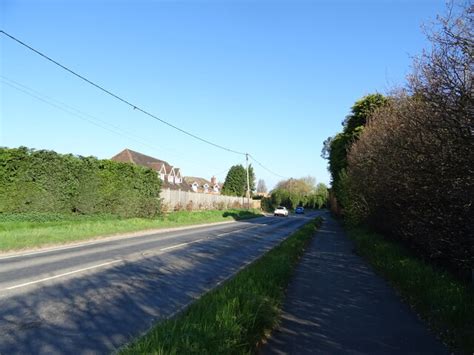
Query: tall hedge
[45, 181]
[410, 174]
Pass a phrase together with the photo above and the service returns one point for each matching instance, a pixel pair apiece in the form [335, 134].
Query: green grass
[21, 231]
[235, 317]
[443, 301]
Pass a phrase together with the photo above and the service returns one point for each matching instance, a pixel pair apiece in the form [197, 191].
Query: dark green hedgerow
[442, 300]
[235, 317]
[44, 181]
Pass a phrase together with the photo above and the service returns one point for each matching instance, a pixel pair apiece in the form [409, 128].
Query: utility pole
[248, 180]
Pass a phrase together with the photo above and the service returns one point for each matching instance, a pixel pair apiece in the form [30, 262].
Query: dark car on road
[299, 210]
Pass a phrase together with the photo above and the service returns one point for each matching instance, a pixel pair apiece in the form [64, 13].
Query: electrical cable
[264, 167]
[135, 107]
[87, 117]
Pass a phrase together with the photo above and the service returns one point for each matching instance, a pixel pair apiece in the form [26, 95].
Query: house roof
[130, 156]
[191, 179]
[158, 167]
[167, 185]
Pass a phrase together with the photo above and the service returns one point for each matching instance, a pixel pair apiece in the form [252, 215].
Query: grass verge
[444, 302]
[21, 231]
[235, 317]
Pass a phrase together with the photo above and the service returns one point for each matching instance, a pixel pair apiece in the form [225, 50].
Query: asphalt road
[95, 297]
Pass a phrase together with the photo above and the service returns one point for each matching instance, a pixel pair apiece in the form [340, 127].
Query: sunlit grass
[33, 230]
[235, 317]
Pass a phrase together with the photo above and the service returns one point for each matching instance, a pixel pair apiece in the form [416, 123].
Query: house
[202, 185]
[169, 175]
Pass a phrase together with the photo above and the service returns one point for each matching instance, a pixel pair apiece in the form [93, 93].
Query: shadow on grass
[242, 214]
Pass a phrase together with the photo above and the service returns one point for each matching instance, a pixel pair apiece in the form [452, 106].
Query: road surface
[94, 297]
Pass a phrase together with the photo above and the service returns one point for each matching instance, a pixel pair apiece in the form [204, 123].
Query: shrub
[267, 204]
[190, 205]
[178, 207]
[236, 204]
[45, 181]
[409, 176]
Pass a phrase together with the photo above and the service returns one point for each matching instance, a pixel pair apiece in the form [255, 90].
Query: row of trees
[289, 193]
[404, 163]
[297, 192]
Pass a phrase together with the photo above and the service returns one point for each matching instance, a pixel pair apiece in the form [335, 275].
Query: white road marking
[48, 250]
[62, 275]
[180, 245]
[222, 234]
[238, 230]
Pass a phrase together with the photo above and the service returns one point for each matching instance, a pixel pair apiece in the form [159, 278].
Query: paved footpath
[336, 304]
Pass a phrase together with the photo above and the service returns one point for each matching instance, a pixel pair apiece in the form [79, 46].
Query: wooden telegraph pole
[248, 180]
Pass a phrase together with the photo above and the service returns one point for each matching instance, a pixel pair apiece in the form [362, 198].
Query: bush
[409, 176]
[45, 181]
[267, 204]
[190, 205]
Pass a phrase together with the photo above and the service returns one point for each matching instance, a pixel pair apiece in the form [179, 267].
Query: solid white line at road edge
[61, 275]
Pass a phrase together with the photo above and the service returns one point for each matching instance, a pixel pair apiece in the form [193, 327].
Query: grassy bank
[234, 317]
[20, 231]
[444, 302]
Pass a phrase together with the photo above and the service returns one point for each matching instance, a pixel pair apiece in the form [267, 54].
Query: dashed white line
[180, 245]
[236, 231]
[62, 275]
[222, 234]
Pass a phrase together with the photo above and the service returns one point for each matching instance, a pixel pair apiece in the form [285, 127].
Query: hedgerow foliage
[45, 181]
[410, 173]
[336, 148]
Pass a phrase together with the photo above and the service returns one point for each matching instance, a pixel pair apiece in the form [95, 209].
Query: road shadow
[100, 311]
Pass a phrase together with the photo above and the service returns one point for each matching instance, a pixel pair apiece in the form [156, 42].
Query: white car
[281, 211]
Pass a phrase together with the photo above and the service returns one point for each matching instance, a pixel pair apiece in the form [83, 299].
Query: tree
[304, 191]
[261, 187]
[235, 183]
[336, 148]
[362, 110]
[251, 179]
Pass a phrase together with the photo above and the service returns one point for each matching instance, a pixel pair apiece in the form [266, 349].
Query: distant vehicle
[281, 211]
[299, 210]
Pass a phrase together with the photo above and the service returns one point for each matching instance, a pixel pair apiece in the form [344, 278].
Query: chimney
[213, 180]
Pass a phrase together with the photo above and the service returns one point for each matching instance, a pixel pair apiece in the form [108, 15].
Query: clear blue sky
[273, 78]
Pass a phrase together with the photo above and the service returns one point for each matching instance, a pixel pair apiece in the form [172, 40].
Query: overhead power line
[133, 106]
[108, 92]
[92, 119]
[264, 167]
